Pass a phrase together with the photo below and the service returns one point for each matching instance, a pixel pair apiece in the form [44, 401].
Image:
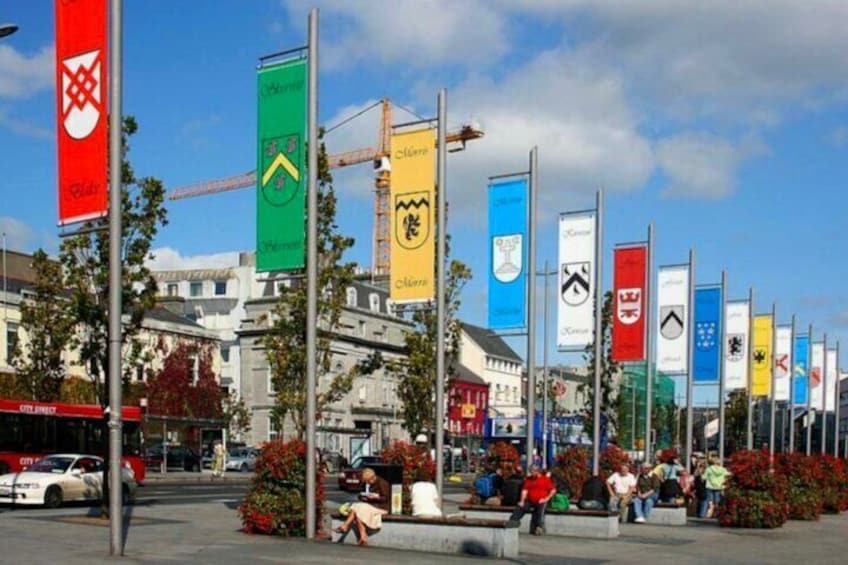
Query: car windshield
[237, 452]
[363, 461]
[56, 465]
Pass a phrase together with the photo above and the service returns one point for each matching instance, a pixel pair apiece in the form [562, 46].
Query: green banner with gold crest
[281, 167]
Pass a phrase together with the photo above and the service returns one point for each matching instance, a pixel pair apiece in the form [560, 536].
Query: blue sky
[725, 125]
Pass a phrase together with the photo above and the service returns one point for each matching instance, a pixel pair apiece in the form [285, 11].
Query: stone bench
[667, 514]
[474, 536]
[574, 522]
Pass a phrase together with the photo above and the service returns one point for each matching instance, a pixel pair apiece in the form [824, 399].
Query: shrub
[834, 485]
[275, 503]
[804, 477]
[755, 495]
[411, 458]
[572, 466]
[503, 455]
[612, 458]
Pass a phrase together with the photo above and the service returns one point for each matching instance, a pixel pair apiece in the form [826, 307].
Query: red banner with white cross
[628, 315]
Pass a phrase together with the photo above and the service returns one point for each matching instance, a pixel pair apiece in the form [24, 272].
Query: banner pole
[599, 338]
[531, 310]
[809, 430]
[749, 437]
[824, 396]
[791, 410]
[312, 274]
[545, 370]
[721, 375]
[836, 406]
[773, 404]
[690, 357]
[115, 482]
[441, 333]
[649, 344]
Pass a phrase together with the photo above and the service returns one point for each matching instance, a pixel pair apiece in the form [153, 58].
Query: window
[220, 288]
[195, 369]
[515, 394]
[139, 374]
[362, 328]
[390, 307]
[351, 297]
[11, 340]
[225, 354]
[273, 429]
[195, 289]
[374, 302]
[498, 394]
[173, 289]
[269, 377]
[384, 333]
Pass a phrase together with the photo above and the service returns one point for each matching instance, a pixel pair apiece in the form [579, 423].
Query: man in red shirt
[535, 493]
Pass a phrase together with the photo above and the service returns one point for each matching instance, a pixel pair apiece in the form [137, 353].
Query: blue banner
[800, 358]
[707, 335]
[507, 253]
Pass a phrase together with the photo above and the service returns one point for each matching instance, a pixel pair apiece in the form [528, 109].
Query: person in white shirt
[425, 497]
[621, 486]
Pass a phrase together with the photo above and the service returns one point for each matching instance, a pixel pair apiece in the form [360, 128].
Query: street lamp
[7, 29]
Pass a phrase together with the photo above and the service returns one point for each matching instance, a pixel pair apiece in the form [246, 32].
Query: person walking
[647, 493]
[535, 494]
[621, 486]
[714, 478]
[218, 460]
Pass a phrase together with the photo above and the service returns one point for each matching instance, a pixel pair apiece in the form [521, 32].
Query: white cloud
[701, 165]
[170, 259]
[23, 127]
[19, 235]
[409, 32]
[21, 75]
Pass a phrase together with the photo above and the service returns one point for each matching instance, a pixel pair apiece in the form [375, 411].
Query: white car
[55, 479]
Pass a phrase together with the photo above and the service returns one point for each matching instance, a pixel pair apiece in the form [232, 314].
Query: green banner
[281, 167]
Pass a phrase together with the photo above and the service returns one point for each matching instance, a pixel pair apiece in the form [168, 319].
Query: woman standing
[218, 463]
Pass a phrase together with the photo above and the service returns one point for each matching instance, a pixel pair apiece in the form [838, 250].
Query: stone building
[369, 415]
[490, 357]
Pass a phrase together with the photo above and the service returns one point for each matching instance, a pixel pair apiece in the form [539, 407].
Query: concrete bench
[574, 522]
[667, 514]
[474, 536]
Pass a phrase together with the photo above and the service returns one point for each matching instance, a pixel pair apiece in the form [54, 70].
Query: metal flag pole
[115, 483]
[721, 372]
[749, 437]
[690, 357]
[773, 403]
[545, 371]
[599, 338]
[441, 333]
[791, 410]
[824, 396]
[836, 406]
[649, 343]
[531, 310]
[311, 273]
[809, 430]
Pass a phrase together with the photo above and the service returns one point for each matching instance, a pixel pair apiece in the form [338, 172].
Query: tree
[45, 321]
[185, 386]
[417, 373]
[285, 342]
[237, 415]
[736, 415]
[610, 399]
[85, 264]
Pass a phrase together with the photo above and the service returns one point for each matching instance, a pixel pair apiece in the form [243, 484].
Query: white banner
[737, 342]
[782, 364]
[816, 397]
[831, 384]
[672, 318]
[576, 312]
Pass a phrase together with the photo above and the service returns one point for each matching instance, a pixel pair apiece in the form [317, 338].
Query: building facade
[468, 403]
[490, 357]
[368, 416]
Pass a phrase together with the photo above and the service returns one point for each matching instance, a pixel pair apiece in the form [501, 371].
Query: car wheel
[243, 468]
[53, 497]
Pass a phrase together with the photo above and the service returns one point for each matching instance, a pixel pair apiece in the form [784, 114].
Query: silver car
[242, 459]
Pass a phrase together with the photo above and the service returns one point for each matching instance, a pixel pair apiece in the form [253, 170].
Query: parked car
[56, 479]
[242, 459]
[350, 479]
[180, 458]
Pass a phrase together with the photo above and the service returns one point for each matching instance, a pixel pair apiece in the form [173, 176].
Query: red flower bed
[503, 455]
[572, 466]
[275, 503]
[804, 476]
[755, 495]
[411, 458]
[834, 484]
[612, 458]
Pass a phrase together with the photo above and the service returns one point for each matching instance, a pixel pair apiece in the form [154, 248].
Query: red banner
[628, 311]
[81, 109]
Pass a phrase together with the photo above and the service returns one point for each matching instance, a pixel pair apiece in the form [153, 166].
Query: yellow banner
[413, 216]
[761, 356]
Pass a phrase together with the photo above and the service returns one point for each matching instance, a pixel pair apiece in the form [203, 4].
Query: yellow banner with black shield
[413, 215]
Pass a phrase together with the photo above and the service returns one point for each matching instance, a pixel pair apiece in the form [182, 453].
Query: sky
[724, 123]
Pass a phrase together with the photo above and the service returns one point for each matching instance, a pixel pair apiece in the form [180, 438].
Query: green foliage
[285, 342]
[417, 372]
[275, 503]
[85, 266]
[610, 399]
[755, 495]
[46, 322]
[736, 413]
[572, 466]
[236, 414]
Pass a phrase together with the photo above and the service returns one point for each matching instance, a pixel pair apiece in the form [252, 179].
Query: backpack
[484, 486]
[559, 502]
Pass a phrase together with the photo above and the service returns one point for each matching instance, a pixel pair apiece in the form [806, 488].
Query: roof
[492, 344]
[466, 375]
[165, 315]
